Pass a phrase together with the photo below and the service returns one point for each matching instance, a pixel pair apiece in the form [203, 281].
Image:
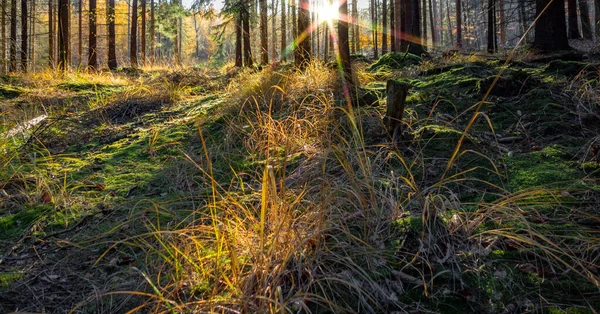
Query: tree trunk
[63, 34]
[143, 32]
[432, 22]
[133, 38]
[283, 31]
[152, 33]
[92, 40]
[264, 46]
[398, 24]
[573, 25]
[302, 52]
[80, 35]
[355, 29]
[24, 39]
[13, 36]
[3, 21]
[502, 23]
[50, 33]
[393, 26]
[597, 18]
[32, 35]
[238, 40]
[458, 24]
[586, 25]
[449, 21]
[396, 93]
[246, 28]
[423, 23]
[550, 30]
[274, 5]
[112, 43]
[491, 19]
[373, 11]
[384, 31]
[344, 46]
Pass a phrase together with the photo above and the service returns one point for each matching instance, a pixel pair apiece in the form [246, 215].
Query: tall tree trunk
[356, 29]
[63, 34]
[24, 39]
[502, 23]
[274, 5]
[152, 33]
[344, 46]
[32, 35]
[128, 25]
[3, 21]
[398, 25]
[424, 22]
[92, 40]
[13, 36]
[143, 32]
[264, 46]
[384, 31]
[294, 20]
[112, 43]
[392, 26]
[458, 24]
[238, 40]
[573, 25]
[133, 38]
[491, 20]
[550, 30]
[597, 18]
[373, 10]
[80, 35]
[50, 33]
[283, 31]
[302, 52]
[449, 22]
[584, 14]
[246, 29]
[432, 10]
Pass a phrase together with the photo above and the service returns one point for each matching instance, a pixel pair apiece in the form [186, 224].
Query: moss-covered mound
[395, 60]
[10, 91]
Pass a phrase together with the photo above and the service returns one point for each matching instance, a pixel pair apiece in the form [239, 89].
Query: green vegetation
[264, 191]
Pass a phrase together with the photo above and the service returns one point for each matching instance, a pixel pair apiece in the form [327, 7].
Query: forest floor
[263, 191]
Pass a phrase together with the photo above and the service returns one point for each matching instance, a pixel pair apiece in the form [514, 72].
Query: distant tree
[24, 38]
[392, 26]
[597, 18]
[551, 29]
[458, 24]
[264, 46]
[112, 43]
[143, 32]
[3, 47]
[491, 21]
[274, 5]
[13, 36]
[50, 33]
[133, 32]
[432, 22]
[246, 34]
[238, 39]
[80, 34]
[152, 33]
[384, 31]
[63, 34]
[502, 23]
[573, 25]
[373, 12]
[398, 28]
[302, 51]
[355, 30]
[283, 31]
[92, 37]
[586, 25]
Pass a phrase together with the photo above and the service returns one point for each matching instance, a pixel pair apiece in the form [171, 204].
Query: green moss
[395, 60]
[8, 278]
[7, 91]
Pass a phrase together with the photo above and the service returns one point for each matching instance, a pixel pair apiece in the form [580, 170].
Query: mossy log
[396, 93]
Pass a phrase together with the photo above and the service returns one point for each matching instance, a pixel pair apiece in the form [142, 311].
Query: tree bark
[398, 25]
[80, 35]
[597, 18]
[502, 23]
[112, 43]
[246, 29]
[51, 60]
[143, 32]
[344, 47]
[423, 4]
[302, 52]
[283, 31]
[586, 24]
[13, 36]
[355, 28]
[152, 33]
[550, 30]
[24, 38]
[491, 19]
[3, 21]
[458, 24]
[238, 40]
[133, 38]
[573, 25]
[92, 37]
[392, 26]
[396, 93]
[384, 31]
[63, 34]
[432, 22]
[32, 35]
[264, 45]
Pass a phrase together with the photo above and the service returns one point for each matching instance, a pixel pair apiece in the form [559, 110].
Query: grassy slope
[266, 193]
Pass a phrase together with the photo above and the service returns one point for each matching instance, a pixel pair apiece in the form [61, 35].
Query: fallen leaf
[47, 198]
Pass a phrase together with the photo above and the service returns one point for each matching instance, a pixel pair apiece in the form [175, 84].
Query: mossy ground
[122, 155]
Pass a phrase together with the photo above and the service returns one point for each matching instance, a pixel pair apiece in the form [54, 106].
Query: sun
[328, 12]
